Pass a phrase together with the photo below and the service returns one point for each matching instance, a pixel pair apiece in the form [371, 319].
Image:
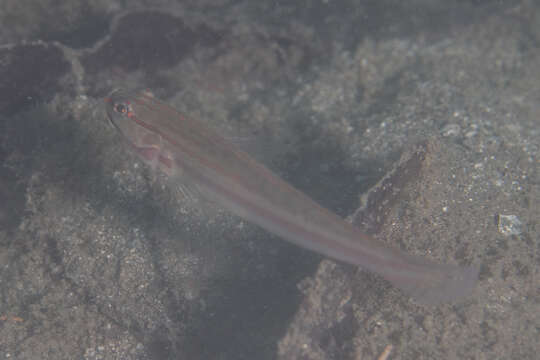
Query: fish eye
[120, 108]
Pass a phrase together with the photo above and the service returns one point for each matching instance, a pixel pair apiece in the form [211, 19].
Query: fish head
[120, 110]
[132, 116]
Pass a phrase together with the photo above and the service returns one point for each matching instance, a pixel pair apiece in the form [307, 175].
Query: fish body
[191, 153]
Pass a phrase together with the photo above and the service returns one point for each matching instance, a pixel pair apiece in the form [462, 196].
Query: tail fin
[439, 283]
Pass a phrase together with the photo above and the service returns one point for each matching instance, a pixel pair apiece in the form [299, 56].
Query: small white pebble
[509, 225]
[451, 130]
[470, 134]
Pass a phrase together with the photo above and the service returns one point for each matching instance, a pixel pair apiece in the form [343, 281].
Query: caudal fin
[440, 283]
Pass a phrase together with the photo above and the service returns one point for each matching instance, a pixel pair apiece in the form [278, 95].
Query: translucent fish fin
[187, 193]
[439, 283]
